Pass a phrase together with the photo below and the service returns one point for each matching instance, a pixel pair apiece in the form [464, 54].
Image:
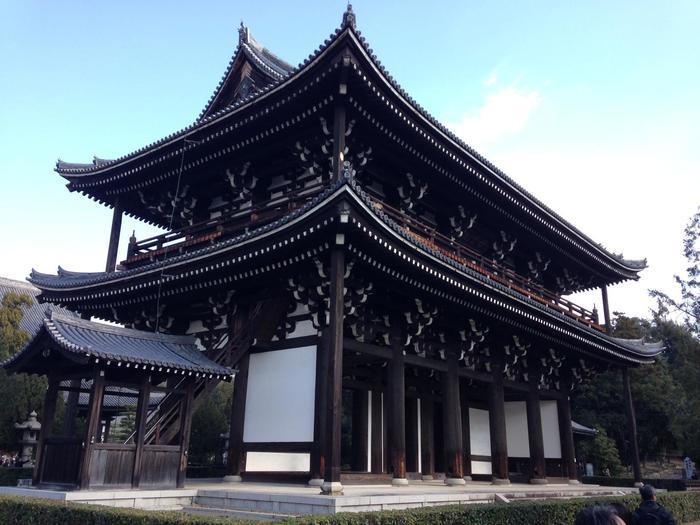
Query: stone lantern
[30, 436]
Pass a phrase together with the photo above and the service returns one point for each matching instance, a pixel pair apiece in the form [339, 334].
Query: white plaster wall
[517, 430]
[280, 396]
[550, 429]
[481, 467]
[479, 432]
[278, 462]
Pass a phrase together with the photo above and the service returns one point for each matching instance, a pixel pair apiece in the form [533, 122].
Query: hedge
[659, 483]
[9, 476]
[685, 507]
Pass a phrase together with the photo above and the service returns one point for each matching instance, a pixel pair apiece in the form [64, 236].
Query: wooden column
[538, 474]
[339, 118]
[497, 422]
[318, 458]
[397, 410]
[185, 427]
[331, 477]
[411, 434]
[568, 454]
[113, 248]
[632, 425]
[360, 429]
[606, 308]
[141, 417]
[377, 420]
[92, 424]
[466, 438]
[71, 408]
[427, 439]
[235, 461]
[47, 418]
[452, 422]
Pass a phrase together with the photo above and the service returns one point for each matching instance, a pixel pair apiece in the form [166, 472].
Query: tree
[20, 393]
[689, 303]
[602, 452]
[209, 422]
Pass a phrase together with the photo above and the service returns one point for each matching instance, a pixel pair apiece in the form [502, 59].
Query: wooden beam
[538, 474]
[92, 425]
[497, 421]
[631, 424]
[376, 448]
[235, 462]
[47, 419]
[318, 456]
[606, 309]
[115, 231]
[141, 417]
[452, 422]
[565, 431]
[185, 428]
[466, 435]
[427, 438]
[397, 411]
[331, 477]
[411, 434]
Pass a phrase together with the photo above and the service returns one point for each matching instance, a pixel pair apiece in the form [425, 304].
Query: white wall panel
[277, 462]
[481, 467]
[479, 432]
[302, 329]
[550, 429]
[516, 430]
[280, 396]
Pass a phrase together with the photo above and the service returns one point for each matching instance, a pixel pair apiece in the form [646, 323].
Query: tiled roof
[33, 317]
[113, 345]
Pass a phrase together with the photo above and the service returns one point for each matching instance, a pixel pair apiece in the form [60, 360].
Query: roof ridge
[18, 284]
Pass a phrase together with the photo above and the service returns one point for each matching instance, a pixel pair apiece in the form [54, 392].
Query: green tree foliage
[20, 393]
[209, 422]
[602, 452]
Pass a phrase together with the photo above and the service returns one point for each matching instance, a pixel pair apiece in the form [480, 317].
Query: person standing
[649, 511]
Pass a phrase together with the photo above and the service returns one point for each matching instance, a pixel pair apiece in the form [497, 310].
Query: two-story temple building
[391, 303]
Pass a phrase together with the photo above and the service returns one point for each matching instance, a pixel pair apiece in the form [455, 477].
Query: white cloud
[505, 112]
[491, 79]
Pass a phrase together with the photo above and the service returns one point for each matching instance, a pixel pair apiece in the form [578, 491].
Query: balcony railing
[486, 266]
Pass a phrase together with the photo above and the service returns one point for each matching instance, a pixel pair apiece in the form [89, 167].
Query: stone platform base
[221, 498]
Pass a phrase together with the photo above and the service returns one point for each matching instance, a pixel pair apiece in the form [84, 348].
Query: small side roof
[84, 341]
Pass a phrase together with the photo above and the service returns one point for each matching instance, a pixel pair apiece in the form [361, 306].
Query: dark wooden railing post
[538, 474]
[632, 425]
[92, 425]
[235, 461]
[568, 453]
[140, 436]
[185, 427]
[47, 418]
[497, 422]
[114, 234]
[331, 477]
[452, 421]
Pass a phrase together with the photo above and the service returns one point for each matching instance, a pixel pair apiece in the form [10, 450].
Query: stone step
[235, 513]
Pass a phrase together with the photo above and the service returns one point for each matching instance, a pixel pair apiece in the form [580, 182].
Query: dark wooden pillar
[411, 434]
[397, 409]
[92, 424]
[141, 417]
[377, 429]
[538, 474]
[47, 418]
[568, 457]
[452, 422]
[318, 458]
[497, 422]
[334, 393]
[606, 308]
[360, 429]
[113, 248]
[632, 425]
[235, 461]
[466, 437]
[427, 430]
[185, 427]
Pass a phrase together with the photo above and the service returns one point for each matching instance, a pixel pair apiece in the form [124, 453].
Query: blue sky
[592, 106]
